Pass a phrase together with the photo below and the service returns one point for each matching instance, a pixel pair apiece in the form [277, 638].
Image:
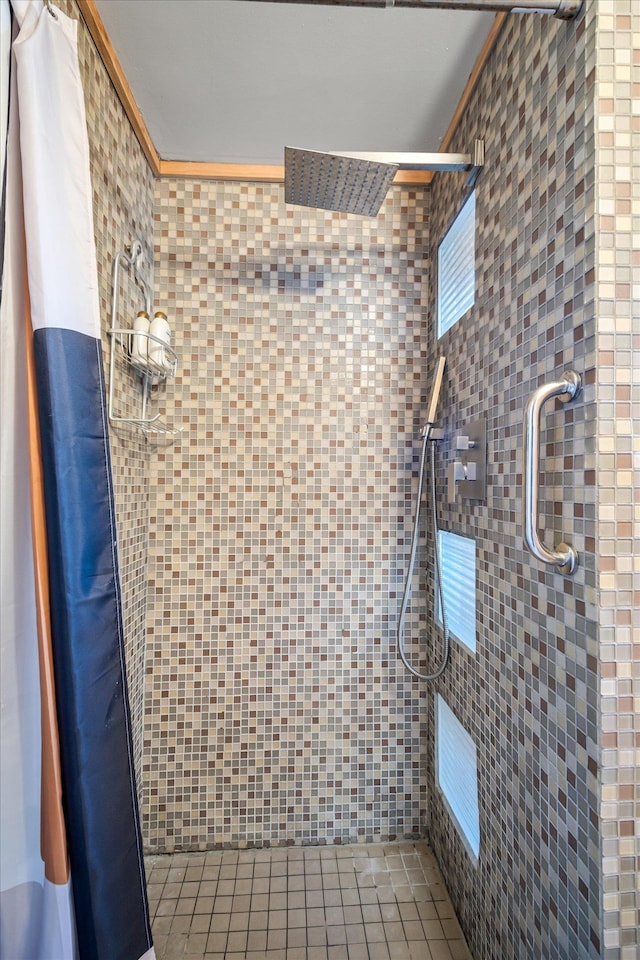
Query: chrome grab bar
[563, 556]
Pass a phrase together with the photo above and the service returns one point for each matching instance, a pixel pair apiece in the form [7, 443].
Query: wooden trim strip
[483, 56]
[416, 178]
[109, 57]
[222, 171]
[264, 173]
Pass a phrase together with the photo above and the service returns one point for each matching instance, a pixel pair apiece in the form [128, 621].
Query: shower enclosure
[278, 528]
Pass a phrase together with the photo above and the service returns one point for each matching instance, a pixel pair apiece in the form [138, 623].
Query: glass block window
[457, 775]
[458, 562]
[457, 267]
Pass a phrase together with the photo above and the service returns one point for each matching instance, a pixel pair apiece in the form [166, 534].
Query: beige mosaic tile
[618, 207]
[281, 522]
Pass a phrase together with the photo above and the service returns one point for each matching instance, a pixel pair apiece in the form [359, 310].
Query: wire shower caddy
[149, 371]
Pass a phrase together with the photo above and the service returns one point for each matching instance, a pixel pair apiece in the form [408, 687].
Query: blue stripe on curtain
[101, 810]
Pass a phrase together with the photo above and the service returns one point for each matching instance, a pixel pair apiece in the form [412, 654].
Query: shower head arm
[412, 161]
[423, 161]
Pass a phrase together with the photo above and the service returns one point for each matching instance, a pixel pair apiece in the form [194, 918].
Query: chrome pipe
[441, 162]
[563, 556]
[561, 9]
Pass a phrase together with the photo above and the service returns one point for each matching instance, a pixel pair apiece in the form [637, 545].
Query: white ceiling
[234, 81]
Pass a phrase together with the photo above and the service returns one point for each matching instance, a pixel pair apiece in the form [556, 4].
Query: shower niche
[144, 347]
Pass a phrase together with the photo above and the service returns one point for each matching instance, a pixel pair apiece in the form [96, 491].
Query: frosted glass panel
[457, 267]
[457, 774]
[459, 586]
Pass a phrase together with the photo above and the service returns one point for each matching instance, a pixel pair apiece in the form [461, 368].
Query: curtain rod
[562, 9]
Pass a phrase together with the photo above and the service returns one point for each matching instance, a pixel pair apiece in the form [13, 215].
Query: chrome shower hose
[412, 560]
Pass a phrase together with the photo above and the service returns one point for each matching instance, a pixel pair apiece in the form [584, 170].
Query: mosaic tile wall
[280, 522]
[618, 207]
[284, 580]
[123, 188]
[529, 697]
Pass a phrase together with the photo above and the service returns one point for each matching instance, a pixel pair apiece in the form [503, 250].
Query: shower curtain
[72, 878]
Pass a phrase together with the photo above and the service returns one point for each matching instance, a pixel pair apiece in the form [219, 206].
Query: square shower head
[332, 182]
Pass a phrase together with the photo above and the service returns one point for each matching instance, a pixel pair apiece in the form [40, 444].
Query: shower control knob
[455, 473]
[470, 479]
[458, 472]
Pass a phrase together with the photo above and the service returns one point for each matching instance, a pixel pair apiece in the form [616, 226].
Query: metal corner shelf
[150, 372]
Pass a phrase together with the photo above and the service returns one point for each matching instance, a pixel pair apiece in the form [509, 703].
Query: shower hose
[412, 560]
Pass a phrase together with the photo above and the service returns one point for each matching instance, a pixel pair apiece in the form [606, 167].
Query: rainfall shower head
[359, 182]
[333, 182]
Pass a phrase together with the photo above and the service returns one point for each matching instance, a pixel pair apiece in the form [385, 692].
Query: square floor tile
[257, 940]
[381, 902]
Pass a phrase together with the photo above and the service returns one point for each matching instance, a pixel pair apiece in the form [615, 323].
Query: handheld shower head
[432, 409]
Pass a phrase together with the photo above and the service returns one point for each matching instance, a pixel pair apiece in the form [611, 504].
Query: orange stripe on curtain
[53, 837]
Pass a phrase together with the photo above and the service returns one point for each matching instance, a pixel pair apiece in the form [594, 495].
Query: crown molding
[265, 173]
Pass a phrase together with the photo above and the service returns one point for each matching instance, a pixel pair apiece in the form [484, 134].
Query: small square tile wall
[529, 696]
[618, 291]
[226, 726]
[123, 189]
[281, 520]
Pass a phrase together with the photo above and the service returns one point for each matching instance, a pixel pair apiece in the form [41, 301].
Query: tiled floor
[375, 902]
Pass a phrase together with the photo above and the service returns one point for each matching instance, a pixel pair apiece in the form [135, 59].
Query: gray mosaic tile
[123, 188]
[529, 697]
[276, 708]
[618, 205]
